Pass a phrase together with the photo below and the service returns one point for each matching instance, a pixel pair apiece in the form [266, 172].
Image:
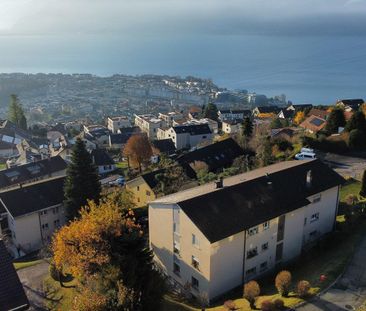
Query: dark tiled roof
[354, 103]
[130, 130]
[268, 109]
[33, 197]
[12, 294]
[119, 138]
[164, 145]
[199, 129]
[216, 156]
[255, 197]
[150, 178]
[287, 113]
[101, 157]
[31, 171]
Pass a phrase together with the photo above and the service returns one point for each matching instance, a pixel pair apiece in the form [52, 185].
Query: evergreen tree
[357, 122]
[210, 112]
[247, 128]
[82, 182]
[335, 120]
[16, 113]
[363, 185]
[276, 123]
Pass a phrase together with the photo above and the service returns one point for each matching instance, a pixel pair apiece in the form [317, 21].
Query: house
[265, 111]
[350, 104]
[148, 124]
[169, 117]
[232, 126]
[323, 114]
[32, 213]
[165, 146]
[143, 187]
[12, 295]
[186, 136]
[286, 114]
[218, 236]
[27, 173]
[216, 156]
[11, 133]
[102, 161]
[115, 123]
[299, 107]
[119, 140]
[97, 134]
[286, 133]
[313, 124]
[232, 114]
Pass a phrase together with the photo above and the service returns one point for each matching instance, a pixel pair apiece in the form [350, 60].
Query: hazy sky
[166, 17]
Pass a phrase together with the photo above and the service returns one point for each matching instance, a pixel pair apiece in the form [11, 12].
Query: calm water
[307, 69]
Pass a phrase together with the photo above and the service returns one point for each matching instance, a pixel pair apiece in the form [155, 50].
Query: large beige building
[115, 123]
[148, 124]
[218, 236]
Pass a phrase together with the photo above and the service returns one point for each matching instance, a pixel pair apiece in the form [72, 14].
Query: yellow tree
[138, 150]
[299, 117]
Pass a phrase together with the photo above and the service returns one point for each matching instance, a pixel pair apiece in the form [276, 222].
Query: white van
[305, 156]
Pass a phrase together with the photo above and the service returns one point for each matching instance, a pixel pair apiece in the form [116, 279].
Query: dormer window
[309, 178]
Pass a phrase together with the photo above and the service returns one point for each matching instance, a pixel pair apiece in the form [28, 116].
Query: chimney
[219, 183]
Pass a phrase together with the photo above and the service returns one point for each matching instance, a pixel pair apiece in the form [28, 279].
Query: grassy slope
[26, 264]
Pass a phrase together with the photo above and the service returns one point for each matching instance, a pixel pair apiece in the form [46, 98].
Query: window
[251, 271]
[138, 200]
[148, 193]
[56, 223]
[264, 246]
[195, 240]
[314, 217]
[195, 283]
[176, 269]
[176, 248]
[253, 230]
[252, 253]
[45, 226]
[305, 221]
[317, 198]
[195, 262]
[175, 227]
[266, 225]
[263, 266]
[138, 188]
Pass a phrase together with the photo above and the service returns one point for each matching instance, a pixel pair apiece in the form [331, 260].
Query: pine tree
[16, 113]
[363, 185]
[357, 122]
[210, 112]
[246, 131]
[82, 182]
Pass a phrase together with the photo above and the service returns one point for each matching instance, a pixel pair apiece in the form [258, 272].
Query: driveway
[349, 292]
[32, 280]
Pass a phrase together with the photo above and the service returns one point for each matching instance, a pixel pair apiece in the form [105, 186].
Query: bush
[229, 305]
[357, 139]
[283, 283]
[251, 291]
[279, 304]
[303, 288]
[54, 273]
[267, 305]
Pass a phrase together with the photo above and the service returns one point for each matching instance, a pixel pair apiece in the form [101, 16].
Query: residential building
[286, 133]
[115, 123]
[186, 136]
[233, 114]
[320, 113]
[102, 160]
[97, 134]
[27, 173]
[169, 117]
[313, 124]
[214, 157]
[232, 126]
[165, 146]
[299, 107]
[218, 236]
[350, 104]
[148, 124]
[32, 213]
[12, 295]
[143, 187]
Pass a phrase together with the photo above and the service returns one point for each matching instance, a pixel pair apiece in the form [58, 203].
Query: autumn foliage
[251, 292]
[303, 288]
[299, 117]
[138, 150]
[283, 282]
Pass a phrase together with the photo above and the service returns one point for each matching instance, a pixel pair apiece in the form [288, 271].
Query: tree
[357, 139]
[138, 150]
[210, 112]
[16, 113]
[299, 117]
[276, 123]
[303, 288]
[357, 122]
[246, 132]
[283, 282]
[335, 120]
[267, 305]
[106, 251]
[82, 182]
[251, 292]
[363, 185]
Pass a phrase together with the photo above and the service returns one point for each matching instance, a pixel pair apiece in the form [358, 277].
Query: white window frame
[253, 231]
[266, 225]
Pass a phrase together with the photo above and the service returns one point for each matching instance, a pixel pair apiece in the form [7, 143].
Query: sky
[182, 17]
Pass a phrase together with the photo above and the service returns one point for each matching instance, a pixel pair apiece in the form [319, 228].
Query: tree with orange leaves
[299, 117]
[138, 150]
[106, 251]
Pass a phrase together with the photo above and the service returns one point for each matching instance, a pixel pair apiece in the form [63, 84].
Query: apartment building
[169, 118]
[232, 126]
[115, 123]
[218, 236]
[186, 136]
[232, 114]
[148, 124]
[31, 213]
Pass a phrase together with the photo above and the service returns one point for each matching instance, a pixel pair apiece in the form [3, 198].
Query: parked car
[305, 154]
[120, 181]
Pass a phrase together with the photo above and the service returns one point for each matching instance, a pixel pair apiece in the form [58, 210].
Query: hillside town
[196, 198]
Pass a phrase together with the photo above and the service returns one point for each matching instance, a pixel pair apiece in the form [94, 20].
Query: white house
[148, 124]
[102, 161]
[115, 123]
[232, 114]
[186, 136]
[232, 126]
[31, 213]
[218, 236]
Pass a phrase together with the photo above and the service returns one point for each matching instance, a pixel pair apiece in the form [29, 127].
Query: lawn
[25, 264]
[122, 165]
[2, 166]
[351, 186]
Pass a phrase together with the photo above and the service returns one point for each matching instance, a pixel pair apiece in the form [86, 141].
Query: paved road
[32, 280]
[350, 290]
